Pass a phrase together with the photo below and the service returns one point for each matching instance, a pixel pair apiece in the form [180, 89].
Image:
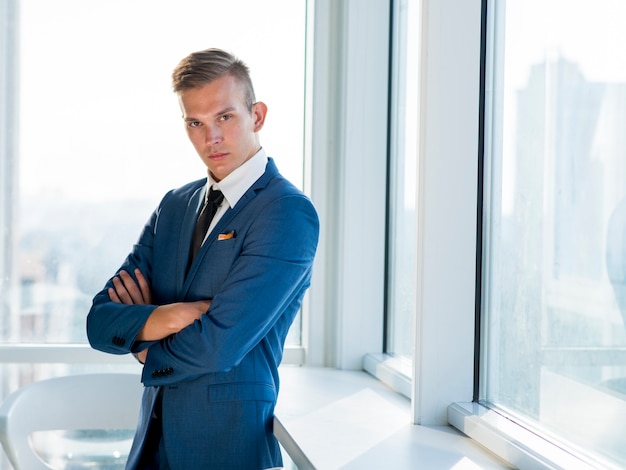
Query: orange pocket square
[226, 236]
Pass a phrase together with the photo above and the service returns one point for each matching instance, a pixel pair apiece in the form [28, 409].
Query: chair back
[76, 402]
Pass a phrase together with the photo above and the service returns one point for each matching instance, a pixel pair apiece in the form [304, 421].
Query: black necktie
[213, 201]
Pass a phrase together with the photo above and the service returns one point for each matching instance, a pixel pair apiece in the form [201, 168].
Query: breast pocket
[215, 266]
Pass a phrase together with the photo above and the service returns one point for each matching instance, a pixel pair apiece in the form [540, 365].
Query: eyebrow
[230, 109]
[220, 113]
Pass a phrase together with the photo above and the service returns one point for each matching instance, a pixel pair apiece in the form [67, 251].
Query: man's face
[220, 127]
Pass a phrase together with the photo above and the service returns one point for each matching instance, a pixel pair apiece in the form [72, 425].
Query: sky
[97, 111]
[590, 34]
[98, 118]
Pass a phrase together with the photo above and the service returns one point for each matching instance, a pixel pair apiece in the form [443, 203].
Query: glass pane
[101, 139]
[554, 291]
[401, 281]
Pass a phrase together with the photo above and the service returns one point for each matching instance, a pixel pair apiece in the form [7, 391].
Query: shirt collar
[235, 185]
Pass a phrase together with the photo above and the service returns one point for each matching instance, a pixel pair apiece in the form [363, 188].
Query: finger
[144, 287]
[202, 307]
[131, 287]
[142, 356]
[113, 296]
[121, 291]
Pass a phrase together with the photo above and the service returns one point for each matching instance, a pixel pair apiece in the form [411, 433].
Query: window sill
[327, 418]
[393, 372]
[514, 443]
[58, 353]
[68, 353]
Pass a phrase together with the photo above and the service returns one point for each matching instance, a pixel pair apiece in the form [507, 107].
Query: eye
[194, 124]
[225, 117]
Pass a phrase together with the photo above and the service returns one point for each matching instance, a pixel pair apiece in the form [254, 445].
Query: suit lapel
[186, 232]
[224, 223]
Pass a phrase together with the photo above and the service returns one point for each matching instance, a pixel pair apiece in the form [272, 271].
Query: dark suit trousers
[153, 455]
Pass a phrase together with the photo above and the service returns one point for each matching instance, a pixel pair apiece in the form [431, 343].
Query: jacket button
[162, 372]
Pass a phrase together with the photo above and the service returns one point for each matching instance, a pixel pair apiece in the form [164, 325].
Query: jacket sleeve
[112, 327]
[268, 278]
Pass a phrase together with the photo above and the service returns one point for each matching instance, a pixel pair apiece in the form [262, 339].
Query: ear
[259, 110]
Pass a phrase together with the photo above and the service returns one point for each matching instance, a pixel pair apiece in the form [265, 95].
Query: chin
[220, 173]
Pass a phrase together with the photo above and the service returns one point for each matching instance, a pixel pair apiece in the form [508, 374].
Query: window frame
[348, 166]
[9, 114]
[501, 431]
[347, 46]
[449, 101]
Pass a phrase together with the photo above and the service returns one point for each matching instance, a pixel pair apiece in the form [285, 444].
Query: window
[402, 245]
[554, 310]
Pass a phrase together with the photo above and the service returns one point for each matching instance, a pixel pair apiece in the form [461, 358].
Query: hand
[126, 291]
[142, 355]
[169, 319]
[164, 320]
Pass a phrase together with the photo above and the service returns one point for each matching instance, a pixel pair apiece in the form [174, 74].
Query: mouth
[217, 156]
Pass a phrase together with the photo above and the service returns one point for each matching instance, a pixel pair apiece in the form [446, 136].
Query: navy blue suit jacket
[218, 376]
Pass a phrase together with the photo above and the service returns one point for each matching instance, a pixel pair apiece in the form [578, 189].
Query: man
[210, 327]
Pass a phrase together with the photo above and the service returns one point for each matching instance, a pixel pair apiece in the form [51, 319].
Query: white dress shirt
[235, 185]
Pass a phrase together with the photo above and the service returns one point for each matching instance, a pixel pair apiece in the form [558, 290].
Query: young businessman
[209, 322]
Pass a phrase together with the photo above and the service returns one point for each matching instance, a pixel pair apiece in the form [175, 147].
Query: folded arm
[266, 280]
[164, 320]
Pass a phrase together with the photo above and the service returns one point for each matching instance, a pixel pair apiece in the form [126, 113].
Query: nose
[213, 135]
